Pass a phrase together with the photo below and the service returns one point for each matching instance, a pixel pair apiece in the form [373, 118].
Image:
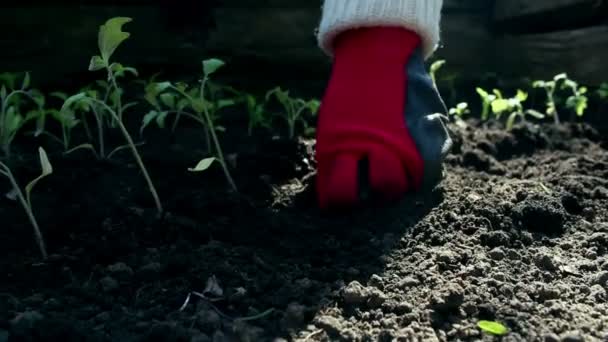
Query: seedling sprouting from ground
[110, 37]
[486, 102]
[577, 101]
[294, 108]
[11, 105]
[258, 116]
[513, 107]
[68, 121]
[26, 200]
[493, 328]
[195, 105]
[460, 111]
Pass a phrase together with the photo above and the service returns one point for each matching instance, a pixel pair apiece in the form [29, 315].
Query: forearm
[420, 16]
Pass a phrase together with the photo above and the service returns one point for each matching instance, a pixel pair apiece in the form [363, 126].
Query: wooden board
[581, 53]
[509, 9]
[524, 16]
[274, 43]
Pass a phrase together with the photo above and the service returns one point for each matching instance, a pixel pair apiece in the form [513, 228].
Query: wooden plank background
[272, 41]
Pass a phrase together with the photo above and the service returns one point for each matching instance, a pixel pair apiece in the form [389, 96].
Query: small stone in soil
[601, 279]
[447, 299]
[572, 336]
[497, 254]
[600, 193]
[546, 262]
[551, 338]
[540, 214]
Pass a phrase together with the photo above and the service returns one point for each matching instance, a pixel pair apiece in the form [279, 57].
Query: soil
[516, 233]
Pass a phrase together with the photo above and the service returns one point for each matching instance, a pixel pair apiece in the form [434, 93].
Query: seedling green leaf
[96, 63]
[494, 328]
[212, 65]
[202, 165]
[111, 36]
[46, 168]
[26, 203]
[72, 100]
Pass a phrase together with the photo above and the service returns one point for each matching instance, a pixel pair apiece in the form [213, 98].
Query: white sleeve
[420, 16]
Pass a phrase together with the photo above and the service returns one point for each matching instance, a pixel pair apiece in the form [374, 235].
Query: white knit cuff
[420, 16]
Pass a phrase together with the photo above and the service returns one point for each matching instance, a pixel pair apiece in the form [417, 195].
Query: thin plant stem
[218, 147]
[136, 155]
[28, 210]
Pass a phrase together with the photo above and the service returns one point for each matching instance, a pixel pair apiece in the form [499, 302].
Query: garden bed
[512, 243]
[517, 233]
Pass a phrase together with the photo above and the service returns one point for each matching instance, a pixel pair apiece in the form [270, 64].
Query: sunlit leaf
[494, 328]
[202, 165]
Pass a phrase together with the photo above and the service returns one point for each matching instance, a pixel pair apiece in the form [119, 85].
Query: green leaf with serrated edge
[96, 63]
[111, 36]
[494, 328]
[212, 65]
[202, 165]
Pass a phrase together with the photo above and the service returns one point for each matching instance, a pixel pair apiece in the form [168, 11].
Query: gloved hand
[381, 107]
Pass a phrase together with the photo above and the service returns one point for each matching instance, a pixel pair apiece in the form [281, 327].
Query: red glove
[379, 107]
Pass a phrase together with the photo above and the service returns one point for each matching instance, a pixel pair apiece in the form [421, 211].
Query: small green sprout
[26, 200]
[68, 121]
[257, 114]
[110, 37]
[493, 328]
[435, 66]
[513, 106]
[458, 112]
[486, 102]
[11, 105]
[294, 108]
[195, 105]
[577, 102]
[550, 88]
